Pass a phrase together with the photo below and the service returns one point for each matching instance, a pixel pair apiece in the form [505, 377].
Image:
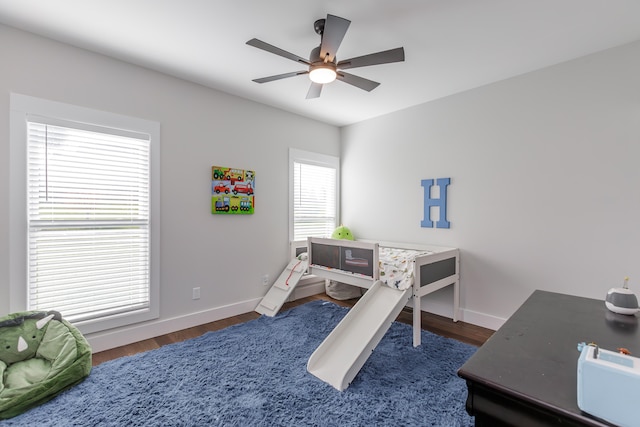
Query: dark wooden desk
[526, 373]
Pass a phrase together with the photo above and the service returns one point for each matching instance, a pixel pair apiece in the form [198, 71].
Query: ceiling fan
[323, 67]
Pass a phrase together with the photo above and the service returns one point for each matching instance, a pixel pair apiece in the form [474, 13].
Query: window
[313, 197]
[89, 220]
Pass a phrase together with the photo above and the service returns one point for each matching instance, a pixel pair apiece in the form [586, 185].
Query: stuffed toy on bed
[41, 355]
[343, 233]
[337, 290]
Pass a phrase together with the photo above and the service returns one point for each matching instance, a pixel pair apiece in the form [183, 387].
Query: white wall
[224, 255]
[545, 181]
[544, 178]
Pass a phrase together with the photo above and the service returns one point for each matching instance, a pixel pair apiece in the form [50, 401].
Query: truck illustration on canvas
[232, 191]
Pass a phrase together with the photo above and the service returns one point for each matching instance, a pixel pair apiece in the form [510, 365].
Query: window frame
[317, 159]
[23, 106]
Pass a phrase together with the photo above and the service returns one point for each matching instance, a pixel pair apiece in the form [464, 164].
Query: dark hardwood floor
[465, 332]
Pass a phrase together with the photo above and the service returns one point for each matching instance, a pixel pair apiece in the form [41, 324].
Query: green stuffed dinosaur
[41, 355]
[343, 233]
[337, 290]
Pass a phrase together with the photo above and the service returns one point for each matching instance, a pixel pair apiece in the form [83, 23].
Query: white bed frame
[432, 271]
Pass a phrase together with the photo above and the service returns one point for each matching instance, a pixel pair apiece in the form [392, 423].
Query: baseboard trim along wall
[102, 341]
[482, 319]
[308, 288]
[111, 339]
[107, 340]
[445, 309]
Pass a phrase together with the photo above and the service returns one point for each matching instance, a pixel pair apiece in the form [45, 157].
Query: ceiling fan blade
[385, 57]
[276, 50]
[280, 76]
[334, 30]
[359, 82]
[314, 90]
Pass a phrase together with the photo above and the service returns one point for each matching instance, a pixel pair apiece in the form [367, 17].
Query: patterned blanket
[396, 266]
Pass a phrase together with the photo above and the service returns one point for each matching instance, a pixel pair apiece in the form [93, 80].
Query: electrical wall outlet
[265, 280]
[195, 293]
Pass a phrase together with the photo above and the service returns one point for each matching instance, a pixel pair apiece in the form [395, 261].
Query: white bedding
[396, 266]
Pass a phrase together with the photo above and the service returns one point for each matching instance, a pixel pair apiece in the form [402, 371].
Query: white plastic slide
[283, 287]
[343, 353]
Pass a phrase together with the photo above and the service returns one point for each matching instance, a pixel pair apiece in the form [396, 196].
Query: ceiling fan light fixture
[323, 64]
[322, 74]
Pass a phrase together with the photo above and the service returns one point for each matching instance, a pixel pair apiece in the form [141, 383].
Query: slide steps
[283, 287]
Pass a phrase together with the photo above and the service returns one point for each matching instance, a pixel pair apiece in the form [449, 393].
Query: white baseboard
[482, 319]
[102, 341]
[443, 309]
[308, 289]
[107, 340]
[473, 317]
[128, 335]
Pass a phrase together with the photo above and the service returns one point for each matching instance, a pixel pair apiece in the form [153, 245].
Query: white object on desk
[608, 384]
[622, 300]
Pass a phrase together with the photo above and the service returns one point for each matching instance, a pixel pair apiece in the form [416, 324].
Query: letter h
[440, 202]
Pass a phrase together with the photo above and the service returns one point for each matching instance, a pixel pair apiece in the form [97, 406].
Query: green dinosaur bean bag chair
[41, 355]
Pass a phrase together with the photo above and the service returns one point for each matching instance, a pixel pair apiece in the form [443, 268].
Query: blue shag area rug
[254, 374]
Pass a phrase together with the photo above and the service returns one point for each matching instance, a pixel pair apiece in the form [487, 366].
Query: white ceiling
[450, 45]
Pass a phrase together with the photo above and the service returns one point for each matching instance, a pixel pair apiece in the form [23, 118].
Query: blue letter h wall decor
[440, 202]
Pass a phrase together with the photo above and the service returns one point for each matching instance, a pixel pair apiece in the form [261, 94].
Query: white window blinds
[88, 220]
[314, 200]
